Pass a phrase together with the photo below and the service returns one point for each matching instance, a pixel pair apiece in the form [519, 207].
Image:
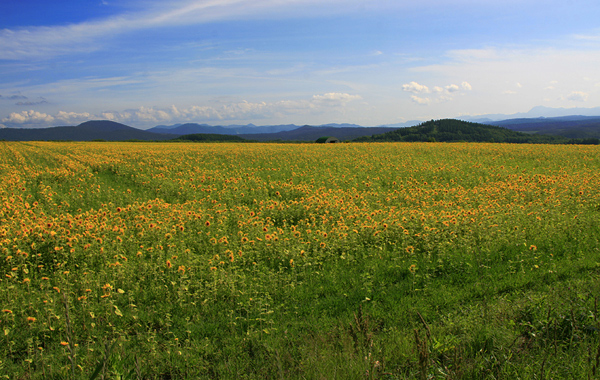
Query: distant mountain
[310, 133]
[208, 137]
[573, 127]
[535, 112]
[192, 128]
[343, 125]
[88, 131]
[449, 130]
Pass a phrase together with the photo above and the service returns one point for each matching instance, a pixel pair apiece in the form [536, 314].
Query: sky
[222, 62]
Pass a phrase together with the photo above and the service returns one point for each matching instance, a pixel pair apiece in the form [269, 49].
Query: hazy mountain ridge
[574, 127]
[193, 128]
[536, 112]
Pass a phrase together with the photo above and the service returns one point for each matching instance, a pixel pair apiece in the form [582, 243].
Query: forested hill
[448, 130]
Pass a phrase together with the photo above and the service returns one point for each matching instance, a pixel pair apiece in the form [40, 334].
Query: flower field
[349, 261]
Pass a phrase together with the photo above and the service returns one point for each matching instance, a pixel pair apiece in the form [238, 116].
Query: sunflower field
[129, 260]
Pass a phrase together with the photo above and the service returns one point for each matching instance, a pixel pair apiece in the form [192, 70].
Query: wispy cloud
[335, 98]
[578, 96]
[32, 103]
[14, 97]
[35, 42]
[420, 100]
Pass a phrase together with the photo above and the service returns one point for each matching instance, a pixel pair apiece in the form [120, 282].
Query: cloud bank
[150, 116]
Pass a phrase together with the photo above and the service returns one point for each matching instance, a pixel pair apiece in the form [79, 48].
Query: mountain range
[248, 129]
[88, 131]
[571, 127]
[535, 112]
[112, 131]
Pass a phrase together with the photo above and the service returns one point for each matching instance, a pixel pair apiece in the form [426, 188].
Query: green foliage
[451, 130]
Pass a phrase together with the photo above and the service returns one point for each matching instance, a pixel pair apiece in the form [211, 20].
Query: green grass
[383, 261]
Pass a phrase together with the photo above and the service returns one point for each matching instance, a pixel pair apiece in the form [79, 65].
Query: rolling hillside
[449, 130]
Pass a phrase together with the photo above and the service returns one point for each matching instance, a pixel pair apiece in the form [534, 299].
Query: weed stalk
[70, 340]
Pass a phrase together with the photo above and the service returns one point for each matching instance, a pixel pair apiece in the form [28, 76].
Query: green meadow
[299, 261]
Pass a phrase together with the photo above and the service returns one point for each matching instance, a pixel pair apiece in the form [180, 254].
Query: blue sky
[220, 62]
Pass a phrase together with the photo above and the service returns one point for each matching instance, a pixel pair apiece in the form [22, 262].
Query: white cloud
[336, 97]
[441, 94]
[109, 116]
[577, 96]
[415, 88]
[28, 117]
[452, 88]
[419, 100]
[72, 117]
[545, 68]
